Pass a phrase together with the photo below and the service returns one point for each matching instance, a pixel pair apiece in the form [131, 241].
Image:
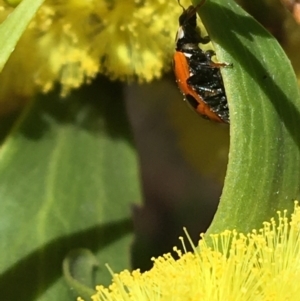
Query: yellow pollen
[260, 266]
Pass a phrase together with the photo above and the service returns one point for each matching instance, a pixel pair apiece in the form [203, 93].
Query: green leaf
[69, 177]
[13, 3]
[78, 269]
[263, 173]
[13, 27]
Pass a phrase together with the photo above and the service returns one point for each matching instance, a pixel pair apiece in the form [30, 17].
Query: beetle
[197, 76]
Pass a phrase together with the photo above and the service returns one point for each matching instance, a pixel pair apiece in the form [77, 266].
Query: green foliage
[68, 179]
[13, 27]
[263, 173]
[69, 172]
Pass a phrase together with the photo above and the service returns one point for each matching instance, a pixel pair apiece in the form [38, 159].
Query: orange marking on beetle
[198, 77]
[182, 73]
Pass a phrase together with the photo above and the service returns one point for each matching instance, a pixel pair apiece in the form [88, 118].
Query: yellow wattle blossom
[261, 266]
[71, 41]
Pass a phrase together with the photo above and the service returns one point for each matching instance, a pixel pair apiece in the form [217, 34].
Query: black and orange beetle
[197, 76]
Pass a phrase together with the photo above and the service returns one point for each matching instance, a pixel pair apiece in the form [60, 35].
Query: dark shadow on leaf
[6, 123]
[24, 280]
[96, 107]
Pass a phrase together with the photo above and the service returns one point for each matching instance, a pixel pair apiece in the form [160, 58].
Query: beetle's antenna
[180, 5]
[200, 4]
[192, 10]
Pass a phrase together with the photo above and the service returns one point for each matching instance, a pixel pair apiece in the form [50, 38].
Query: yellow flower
[73, 40]
[261, 266]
